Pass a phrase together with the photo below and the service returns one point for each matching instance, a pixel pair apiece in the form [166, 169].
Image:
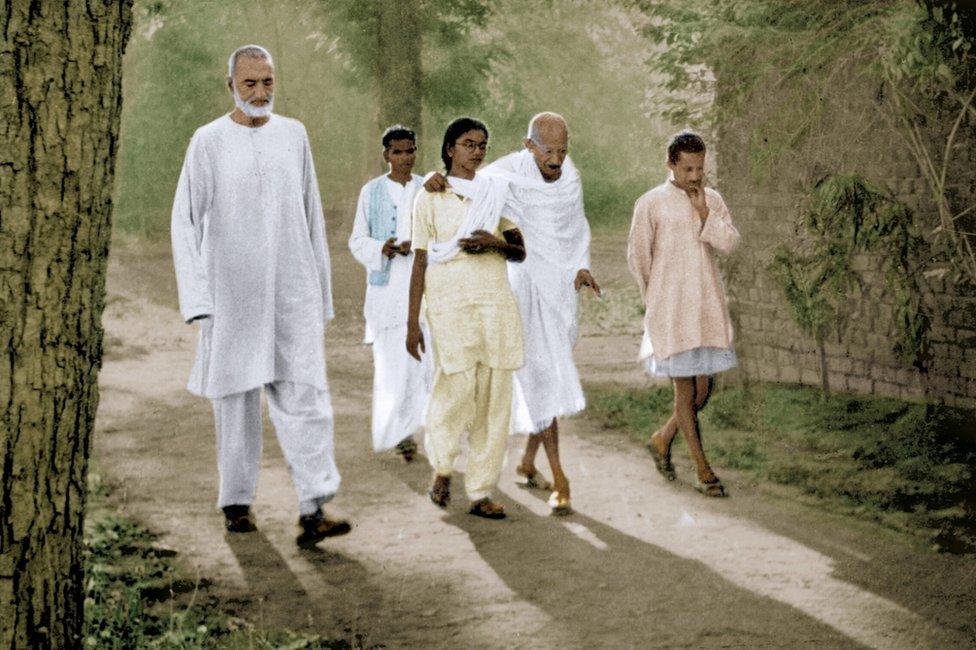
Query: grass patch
[908, 466]
[136, 596]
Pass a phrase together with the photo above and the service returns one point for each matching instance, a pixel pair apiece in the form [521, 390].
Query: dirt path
[641, 564]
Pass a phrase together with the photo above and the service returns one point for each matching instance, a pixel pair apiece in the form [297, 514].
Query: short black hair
[455, 130]
[398, 132]
[687, 142]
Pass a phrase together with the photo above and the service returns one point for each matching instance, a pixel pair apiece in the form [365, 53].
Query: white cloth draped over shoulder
[490, 198]
[250, 252]
[557, 241]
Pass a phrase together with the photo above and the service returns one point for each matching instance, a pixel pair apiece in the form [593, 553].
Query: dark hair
[398, 132]
[687, 142]
[455, 130]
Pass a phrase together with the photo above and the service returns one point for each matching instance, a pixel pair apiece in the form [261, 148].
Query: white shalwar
[557, 242]
[252, 260]
[401, 384]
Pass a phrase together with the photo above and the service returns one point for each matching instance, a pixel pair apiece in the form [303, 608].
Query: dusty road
[641, 564]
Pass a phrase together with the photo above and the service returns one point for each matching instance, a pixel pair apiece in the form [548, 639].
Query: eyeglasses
[547, 151]
[471, 145]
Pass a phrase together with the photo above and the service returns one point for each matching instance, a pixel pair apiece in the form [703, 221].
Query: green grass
[136, 596]
[908, 466]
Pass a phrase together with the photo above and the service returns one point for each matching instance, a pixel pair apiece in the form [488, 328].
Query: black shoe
[237, 519]
[317, 527]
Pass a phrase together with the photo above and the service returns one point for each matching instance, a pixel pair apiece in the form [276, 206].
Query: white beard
[253, 111]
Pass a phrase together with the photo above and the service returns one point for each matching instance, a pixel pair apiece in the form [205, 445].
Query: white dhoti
[302, 417]
[548, 385]
[401, 387]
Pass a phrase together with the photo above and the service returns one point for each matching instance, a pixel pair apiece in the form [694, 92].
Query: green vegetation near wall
[907, 466]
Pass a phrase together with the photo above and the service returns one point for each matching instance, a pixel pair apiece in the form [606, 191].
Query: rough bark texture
[399, 70]
[60, 103]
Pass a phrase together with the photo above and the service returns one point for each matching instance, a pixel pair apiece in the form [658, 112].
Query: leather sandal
[534, 480]
[440, 491]
[662, 463]
[487, 508]
[712, 488]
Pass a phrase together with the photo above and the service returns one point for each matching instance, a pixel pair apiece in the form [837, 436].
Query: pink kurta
[670, 254]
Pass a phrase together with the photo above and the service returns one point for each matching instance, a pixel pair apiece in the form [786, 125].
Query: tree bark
[399, 70]
[60, 103]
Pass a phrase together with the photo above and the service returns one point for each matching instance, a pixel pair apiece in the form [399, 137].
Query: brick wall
[848, 135]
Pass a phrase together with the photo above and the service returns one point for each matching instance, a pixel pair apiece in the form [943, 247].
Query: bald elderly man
[252, 268]
[546, 188]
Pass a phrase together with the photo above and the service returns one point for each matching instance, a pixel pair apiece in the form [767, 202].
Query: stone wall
[850, 135]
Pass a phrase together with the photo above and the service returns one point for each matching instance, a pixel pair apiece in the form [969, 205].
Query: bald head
[546, 122]
[548, 142]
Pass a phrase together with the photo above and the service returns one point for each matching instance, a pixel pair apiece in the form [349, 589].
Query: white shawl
[553, 224]
[490, 197]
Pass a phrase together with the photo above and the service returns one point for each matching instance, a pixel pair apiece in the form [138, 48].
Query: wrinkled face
[550, 150]
[468, 151]
[401, 154]
[689, 170]
[253, 85]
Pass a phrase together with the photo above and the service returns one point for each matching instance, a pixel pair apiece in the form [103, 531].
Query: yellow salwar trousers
[477, 401]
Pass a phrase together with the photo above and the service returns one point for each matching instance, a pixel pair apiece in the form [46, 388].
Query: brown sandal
[440, 491]
[487, 508]
[407, 449]
[712, 488]
[662, 463]
[534, 480]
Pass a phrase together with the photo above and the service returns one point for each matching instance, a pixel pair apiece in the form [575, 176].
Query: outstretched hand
[584, 279]
[436, 182]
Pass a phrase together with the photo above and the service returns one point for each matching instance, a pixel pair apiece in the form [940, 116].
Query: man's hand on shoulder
[436, 182]
[585, 279]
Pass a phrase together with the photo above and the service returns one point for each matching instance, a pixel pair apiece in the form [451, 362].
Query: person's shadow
[607, 589]
[339, 603]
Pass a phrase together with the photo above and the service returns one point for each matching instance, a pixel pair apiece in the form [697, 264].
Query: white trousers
[302, 418]
[401, 387]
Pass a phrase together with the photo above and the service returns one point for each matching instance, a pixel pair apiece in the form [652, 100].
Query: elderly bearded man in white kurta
[380, 241]
[252, 267]
[548, 198]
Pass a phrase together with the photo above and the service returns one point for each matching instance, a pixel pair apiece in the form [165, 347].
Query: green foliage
[818, 273]
[789, 65]
[581, 59]
[136, 597]
[455, 64]
[908, 466]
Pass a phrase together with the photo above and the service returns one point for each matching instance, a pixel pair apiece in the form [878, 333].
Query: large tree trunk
[60, 102]
[399, 70]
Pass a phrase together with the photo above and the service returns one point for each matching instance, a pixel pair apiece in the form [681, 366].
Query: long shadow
[275, 598]
[608, 589]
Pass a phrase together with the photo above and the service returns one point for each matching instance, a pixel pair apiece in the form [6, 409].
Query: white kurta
[401, 384]
[250, 251]
[557, 241]
[386, 305]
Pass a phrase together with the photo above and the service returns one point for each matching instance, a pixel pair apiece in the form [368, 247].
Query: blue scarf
[382, 219]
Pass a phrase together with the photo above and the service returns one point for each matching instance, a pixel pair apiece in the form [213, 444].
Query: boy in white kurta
[252, 266]
[380, 241]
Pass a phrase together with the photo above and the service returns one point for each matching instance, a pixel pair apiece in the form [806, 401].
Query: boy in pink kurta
[676, 228]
